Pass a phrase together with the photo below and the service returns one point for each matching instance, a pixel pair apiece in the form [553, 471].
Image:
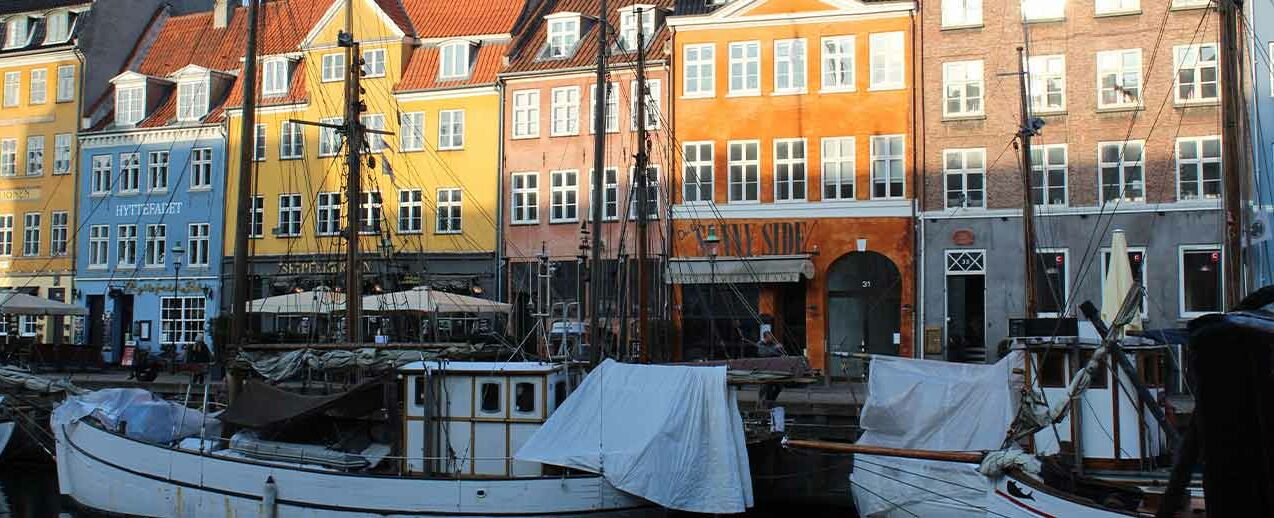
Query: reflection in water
[31, 491]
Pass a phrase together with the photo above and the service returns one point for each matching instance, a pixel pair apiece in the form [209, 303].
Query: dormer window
[57, 27]
[192, 100]
[455, 60]
[130, 104]
[275, 81]
[563, 34]
[628, 26]
[15, 34]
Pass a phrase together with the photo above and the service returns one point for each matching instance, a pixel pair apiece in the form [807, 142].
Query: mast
[1232, 155]
[1024, 133]
[643, 197]
[239, 322]
[599, 164]
[353, 189]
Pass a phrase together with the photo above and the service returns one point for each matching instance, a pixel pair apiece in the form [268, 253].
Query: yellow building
[430, 201]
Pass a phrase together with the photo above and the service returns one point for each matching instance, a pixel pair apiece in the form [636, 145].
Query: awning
[424, 299]
[740, 270]
[15, 303]
[319, 301]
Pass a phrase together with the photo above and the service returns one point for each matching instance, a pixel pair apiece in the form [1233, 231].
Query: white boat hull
[108, 472]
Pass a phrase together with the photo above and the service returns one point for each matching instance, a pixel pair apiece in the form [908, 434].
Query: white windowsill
[743, 93]
[708, 95]
[780, 93]
[885, 88]
[838, 90]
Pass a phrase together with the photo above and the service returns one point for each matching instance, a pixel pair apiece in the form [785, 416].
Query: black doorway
[966, 318]
[864, 312]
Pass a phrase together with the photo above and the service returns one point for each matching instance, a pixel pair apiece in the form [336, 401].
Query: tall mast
[1024, 133]
[238, 324]
[599, 164]
[1231, 151]
[353, 189]
[643, 196]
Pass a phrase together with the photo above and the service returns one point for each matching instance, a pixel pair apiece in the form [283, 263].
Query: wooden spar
[841, 447]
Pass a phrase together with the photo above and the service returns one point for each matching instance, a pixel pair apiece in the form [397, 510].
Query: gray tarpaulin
[740, 270]
[261, 405]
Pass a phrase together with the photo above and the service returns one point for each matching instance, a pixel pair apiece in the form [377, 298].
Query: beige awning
[740, 270]
[15, 303]
[319, 301]
[427, 300]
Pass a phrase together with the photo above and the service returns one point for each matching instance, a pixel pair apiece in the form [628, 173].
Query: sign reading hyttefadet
[149, 209]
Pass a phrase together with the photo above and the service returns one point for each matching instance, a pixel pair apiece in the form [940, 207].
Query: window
[8, 157]
[965, 172]
[289, 215]
[126, 246]
[16, 34]
[1051, 281]
[610, 194]
[330, 140]
[276, 78]
[451, 129]
[524, 398]
[1189, 4]
[652, 194]
[1048, 174]
[526, 113]
[526, 198]
[59, 233]
[333, 67]
[12, 88]
[35, 155]
[181, 320]
[31, 234]
[39, 86]
[1136, 261]
[157, 166]
[1120, 164]
[1118, 6]
[564, 190]
[1200, 284]
[192, 100]
[652, 105]
[1119, 78]
[838, 63]
[374, 63]
[448, 221]
[156, 244]
[559, 394]
[612, 108]
[887, 168]
[789, 66]
[66, 83]
[745, 68]
[563, 35]
[62, 153]
[201, 168]
[130, 172]
[327, 220]
[490, 398]
[565, 111]
[745, 164]
[961, 13]
[291, 141]
[789, 169]
[101, 174]
[697, 171]
[374, 121]
[1043, 10]
[57, 27]
[1198, 168]
[197, 242]
[410, 211]
[455, 61]
[962, 88]
[838, 168]
[628, 28]
[700, 70]
[887, 61]
[1048, 83]
[130, 104]
[1196, 67]
[411, 131]
[369, 205]
[256, 219]
[258, 151]
[98, 240]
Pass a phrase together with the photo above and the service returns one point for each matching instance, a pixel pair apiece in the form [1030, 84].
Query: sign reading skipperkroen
[148, 209]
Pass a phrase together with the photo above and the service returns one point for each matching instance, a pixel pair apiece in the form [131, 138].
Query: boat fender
[269, 499]
[997, 462]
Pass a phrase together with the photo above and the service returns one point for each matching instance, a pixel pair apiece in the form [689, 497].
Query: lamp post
[710, 243]
[177, 252]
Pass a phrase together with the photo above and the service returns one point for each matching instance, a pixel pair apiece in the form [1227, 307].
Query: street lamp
[177, 252]
[710, 243]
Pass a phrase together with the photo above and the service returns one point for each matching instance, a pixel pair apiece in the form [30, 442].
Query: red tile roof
[396, 12]
[422, 71]
[192, 40]
[450, 18]
[530, 43]
[297, 92]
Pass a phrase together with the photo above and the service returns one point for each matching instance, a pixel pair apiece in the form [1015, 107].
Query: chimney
[222, 11]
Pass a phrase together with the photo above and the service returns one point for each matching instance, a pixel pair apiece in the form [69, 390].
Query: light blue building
[152, 194]
[1261, 111]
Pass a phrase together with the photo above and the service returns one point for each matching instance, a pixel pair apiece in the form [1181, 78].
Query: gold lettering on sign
[27, 194]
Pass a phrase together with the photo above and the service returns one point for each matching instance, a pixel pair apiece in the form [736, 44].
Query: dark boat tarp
[262, 405]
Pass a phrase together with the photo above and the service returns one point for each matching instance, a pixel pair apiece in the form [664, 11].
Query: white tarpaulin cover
[931, 405]
[669, 434]
[143, 415]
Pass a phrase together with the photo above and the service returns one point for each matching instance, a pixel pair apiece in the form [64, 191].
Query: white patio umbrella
[17, 303]
[1118, 281]
[427, 300]
[321, 300]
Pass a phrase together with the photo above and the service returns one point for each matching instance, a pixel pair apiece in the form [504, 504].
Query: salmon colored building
[794, 136]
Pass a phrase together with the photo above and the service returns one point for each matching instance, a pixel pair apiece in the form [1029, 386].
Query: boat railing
[227, 447]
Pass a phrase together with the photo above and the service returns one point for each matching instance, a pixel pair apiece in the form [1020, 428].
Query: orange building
[793, 122]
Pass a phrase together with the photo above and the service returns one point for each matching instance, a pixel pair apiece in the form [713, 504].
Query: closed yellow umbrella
[1118, 281]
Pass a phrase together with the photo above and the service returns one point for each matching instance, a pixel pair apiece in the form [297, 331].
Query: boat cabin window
[524, 398]
[1100, 375]
[419, 389]
[559, 394]
[490, 398]
[1051, 367]
[1150, 368]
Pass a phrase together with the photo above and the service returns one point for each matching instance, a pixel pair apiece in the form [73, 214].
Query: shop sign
[23, 194]
[756, 239]
[149, 209]
[163, 288]
[311, 267]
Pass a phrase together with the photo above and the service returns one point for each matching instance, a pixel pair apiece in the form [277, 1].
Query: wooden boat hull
[112, 473]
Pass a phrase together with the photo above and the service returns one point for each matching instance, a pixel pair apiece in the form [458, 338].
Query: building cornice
[143, 136]
[1045, 212]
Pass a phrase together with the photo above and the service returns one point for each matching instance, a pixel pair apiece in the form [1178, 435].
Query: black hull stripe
[336, 508]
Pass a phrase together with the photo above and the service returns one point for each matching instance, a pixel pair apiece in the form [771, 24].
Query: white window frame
[103, 169]
[564, 111]
[57, 27]
[256, 217]
[699, 71]
[524, 198]
[374, 63]
[328, 214]
[1043, 10]
[59, 232]
[370, 212]
[961, 14]
[155, 252]
[789, 179]
[698, 173]
[839, 60]
[259, 138]
[411, 211]
[1120, 72]
[791, 60]
[35, 155]
[888, 72]
[652, 192]
[888, 159]
[454, 60]
[1197, 163]
[743, 164]
[747, 80]
[126, 246]
[654, 94]
[9, 157]
[411, 128]
[844, 156]
[1182, 250]
[1123, 166]
[564, 196]
[6, 235]
[1043, 166]
[274, 73]
[130, 173]
[526, 114]
[291, 213]
[1186, 58]
[157, 169]
[563, 34]
[130, 105]
[374, 121]
[31, 234]
[1066, 280]
[962, 76]
[330, 139]
[66, 84]
[1046, 71]
[291, 141]
[610, 194]
[18, 32]
[612, 108]
[627, 40]
[192, 100]
[333, 67]
[450, 200]
[189, 324]
[99, 238]
[1117, 7]
[965, 173]
[39, 94]
[62, 143]
[201, 168]
[451, 130]
[12, 88]
[198, 236]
